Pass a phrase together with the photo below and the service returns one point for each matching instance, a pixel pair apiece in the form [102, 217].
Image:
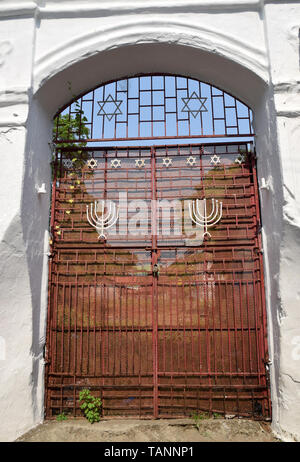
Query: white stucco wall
[247, 47]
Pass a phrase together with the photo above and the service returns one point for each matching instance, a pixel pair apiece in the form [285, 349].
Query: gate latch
[155, 270]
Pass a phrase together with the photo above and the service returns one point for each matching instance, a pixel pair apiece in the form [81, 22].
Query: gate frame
[154, 247]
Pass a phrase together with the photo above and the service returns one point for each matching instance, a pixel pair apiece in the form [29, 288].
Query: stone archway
[52, 93]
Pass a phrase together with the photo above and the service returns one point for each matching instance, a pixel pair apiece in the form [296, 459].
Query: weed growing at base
[90, 405]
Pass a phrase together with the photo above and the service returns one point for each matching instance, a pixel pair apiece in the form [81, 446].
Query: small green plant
[216, 415]
[68, 128]
[90, 405]
[197, 417]
[61, 417]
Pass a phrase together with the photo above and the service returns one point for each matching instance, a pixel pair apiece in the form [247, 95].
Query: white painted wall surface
[247, 47]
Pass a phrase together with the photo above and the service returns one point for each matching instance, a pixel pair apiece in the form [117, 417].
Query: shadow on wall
[15, 332]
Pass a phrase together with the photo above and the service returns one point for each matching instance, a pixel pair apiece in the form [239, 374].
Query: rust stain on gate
[186, 338]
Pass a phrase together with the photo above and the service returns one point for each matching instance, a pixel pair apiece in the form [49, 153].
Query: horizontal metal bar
[187, 284]
[148, 138]
[117, 329]
[64, 375]
[156, 146]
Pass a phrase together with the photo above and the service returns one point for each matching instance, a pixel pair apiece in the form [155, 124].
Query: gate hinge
[268, 362]
[45, 354]
[261, 251]
[51, 252]
[258, 228]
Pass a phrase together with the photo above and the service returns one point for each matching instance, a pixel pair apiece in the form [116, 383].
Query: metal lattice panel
[155, 106]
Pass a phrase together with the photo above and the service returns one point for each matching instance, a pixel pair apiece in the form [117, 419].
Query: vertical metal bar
[126, 327]
[92, 114]
[81, 330]
[249, 326]
[177, 319]
[171, 335]
[208, 339]
[102, 339]
[88, 324]
[114, 335]
[176, 95]
[75, 345]
[216, 288]
[221, 325]
[139, 343]
[62, 328]
[228, 333]
[69, 328]
[163, 307]
[201, 117]
[106, 329]
[154, 339]
[191, 327]
[242, 330]
[132, 332]
[95, 324]
[198, 297]
[184, 327]
[212, 110]
[256, 286]
[116, 117]
[154, 283]
[120, 330]
[165, 107]
[139, 108]
[151, 106]
[188, 94]
[235, 327]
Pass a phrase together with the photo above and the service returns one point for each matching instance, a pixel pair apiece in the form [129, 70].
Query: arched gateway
[156, 292]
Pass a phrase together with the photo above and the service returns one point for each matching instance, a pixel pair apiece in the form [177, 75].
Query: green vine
[90, 405]
[67, 129]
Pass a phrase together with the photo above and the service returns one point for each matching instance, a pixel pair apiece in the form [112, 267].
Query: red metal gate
[158, 324]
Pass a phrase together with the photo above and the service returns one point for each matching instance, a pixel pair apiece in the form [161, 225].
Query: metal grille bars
[153, 107]
[158, 325]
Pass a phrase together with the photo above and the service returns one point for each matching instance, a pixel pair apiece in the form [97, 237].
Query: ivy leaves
[90, 405]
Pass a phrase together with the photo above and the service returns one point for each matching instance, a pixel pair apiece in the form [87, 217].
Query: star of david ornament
[92, 163]
[191, 160]
[109, 107]
[215, 160]
[67, 163]
[167, 161]
[115, 163]
[139, 163]
[194, 104]
[240, 159]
